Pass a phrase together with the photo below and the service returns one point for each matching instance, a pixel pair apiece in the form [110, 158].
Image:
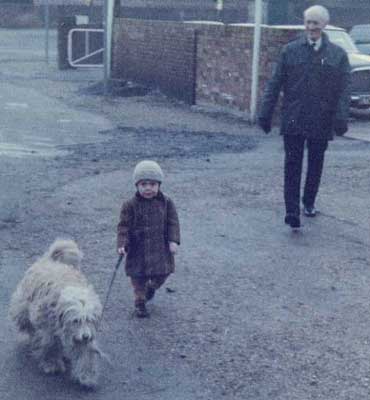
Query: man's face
[314, 26]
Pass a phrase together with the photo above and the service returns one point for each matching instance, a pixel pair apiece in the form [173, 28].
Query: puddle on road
[19, 151]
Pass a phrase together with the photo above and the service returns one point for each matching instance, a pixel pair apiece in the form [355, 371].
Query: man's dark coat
[315, 87]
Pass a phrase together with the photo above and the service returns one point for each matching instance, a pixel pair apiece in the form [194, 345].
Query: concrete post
[255, 61]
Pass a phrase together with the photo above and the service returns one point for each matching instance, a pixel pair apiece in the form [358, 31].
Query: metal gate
[86, 47]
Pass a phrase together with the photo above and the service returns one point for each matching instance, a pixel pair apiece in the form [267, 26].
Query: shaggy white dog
[59, 311]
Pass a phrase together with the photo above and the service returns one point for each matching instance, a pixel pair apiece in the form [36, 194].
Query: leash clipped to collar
[120, 258]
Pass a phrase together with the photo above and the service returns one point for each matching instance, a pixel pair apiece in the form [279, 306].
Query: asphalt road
[253, 311]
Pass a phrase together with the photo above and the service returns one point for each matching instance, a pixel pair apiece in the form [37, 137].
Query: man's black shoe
[149, 293]
[293, 221]
[309, 211]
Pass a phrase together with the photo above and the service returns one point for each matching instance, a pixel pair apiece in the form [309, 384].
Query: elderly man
[314, 76]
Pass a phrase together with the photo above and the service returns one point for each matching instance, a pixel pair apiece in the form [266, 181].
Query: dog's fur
[59, 311]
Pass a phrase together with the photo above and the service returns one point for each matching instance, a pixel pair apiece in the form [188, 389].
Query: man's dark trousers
[294, 150]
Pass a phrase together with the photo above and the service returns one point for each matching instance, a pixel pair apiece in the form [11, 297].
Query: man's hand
[265, 124]
[121, 250]
[340, 126]
[173, 247]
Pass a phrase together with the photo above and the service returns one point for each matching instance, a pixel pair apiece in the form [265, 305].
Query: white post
[219, 8]
[108, 34]
[110, 21]
[105, 54]
[255, 62]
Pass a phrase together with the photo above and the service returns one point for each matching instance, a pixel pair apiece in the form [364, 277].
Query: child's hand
[173, 247]
[122, 251]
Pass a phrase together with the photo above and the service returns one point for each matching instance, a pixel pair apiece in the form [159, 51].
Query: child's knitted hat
[147, 169]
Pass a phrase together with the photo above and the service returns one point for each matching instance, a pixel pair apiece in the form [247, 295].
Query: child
[148, 234]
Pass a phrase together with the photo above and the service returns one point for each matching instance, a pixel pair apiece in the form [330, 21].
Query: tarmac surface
[254, 311]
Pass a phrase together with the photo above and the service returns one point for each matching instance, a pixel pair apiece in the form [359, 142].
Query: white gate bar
[74, 63]
[87, 55]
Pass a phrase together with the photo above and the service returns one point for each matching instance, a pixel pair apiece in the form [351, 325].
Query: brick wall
[205, 63]
[223, 66]
[208, 63]
[224, 62]
[156, 53]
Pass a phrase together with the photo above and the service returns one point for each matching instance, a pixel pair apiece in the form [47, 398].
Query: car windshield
[360, 33]
[343, 40]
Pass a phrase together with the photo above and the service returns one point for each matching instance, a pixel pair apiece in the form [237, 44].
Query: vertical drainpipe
[255, 61]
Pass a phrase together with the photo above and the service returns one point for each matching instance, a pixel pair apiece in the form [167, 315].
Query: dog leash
[120, 258]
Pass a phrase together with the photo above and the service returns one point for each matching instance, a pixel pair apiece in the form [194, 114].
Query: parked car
[360, 34]
[360, 67]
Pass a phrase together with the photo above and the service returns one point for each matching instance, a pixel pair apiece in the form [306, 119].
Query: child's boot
[141, 311]
[149, 292]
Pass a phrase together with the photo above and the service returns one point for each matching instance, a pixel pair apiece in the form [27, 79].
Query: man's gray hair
[319, 11]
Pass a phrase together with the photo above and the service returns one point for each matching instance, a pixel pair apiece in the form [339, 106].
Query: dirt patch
[131, 143]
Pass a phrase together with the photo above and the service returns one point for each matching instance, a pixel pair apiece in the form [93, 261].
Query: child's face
[148, 188]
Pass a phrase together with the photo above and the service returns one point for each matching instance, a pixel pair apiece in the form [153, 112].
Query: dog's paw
[87, 382]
